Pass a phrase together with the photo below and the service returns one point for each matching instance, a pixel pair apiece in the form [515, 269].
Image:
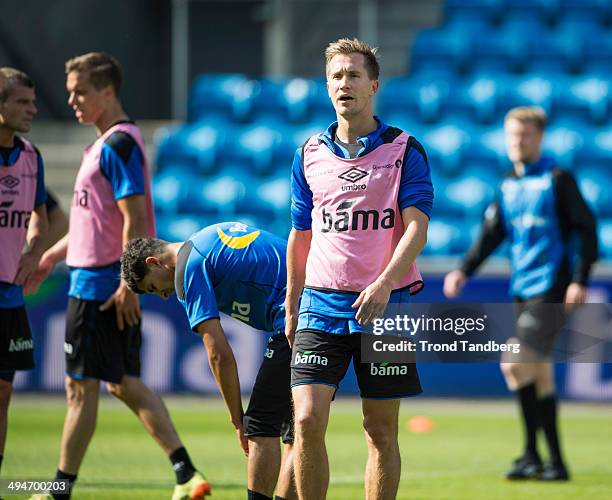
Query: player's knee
[381, 435]
[116, 390]
[513, 370]
[310, 426]
[76, 392]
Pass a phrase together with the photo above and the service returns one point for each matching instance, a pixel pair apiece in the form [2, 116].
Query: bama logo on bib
[356, 221]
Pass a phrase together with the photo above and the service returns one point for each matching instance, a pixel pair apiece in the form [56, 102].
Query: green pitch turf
[462, 458]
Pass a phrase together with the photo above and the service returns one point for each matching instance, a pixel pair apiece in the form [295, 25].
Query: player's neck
[110, 116]
[357, 126]
[7, 137]
[172, 250]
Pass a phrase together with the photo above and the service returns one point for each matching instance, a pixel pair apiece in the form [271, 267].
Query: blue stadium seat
[320, 106]
[168, 188]
[605, 238]
[216, 196]
[543, 11]
[440, 50]
[180, 228]
[445, 237]
[194, 146]
[598, 54]
[487, 150]
[532, 90]
[268, 198]
[497, 51]
[472, 192]
[286, 99]
[444, 144]
[489, 10]
[555, 52]
[602, 9]
[478, 98]
[563, 142]
[254, 147]
[427, 98]
[224, 95]
[595, 187]
[586, 97]
[597, 149]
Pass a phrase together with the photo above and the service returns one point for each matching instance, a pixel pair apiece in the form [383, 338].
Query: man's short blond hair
[102, 69]
[531, 114]
[346, 46]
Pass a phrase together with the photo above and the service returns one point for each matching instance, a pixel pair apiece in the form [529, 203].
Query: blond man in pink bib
[360, 206]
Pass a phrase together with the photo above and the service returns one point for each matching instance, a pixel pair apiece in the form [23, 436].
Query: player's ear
[152, 261]
[374, 88]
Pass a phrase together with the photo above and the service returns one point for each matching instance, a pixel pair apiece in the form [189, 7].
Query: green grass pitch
[462, 458]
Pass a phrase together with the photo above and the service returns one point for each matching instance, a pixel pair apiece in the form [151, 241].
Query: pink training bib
[356, 220]
[17, 195]
[96, 223]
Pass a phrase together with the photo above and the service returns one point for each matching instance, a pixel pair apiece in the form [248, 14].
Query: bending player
[240, 271]
[111, 204]
[539, 208]
[22, 203]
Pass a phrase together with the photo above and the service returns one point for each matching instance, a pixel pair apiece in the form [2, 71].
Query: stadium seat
[478, 98]
[223, 95]
[445, 237]
[282, 99]
[598, 54]
[172, 190]
[193, 147]
[320, 106]
[532, 90]
[266, 198]
[597, 149]
[487, 150]
[497, 51]
[595, 187]
[586, 97]
[444, 144]
[254, 147]
[440, 50]
[424, 97]
[180, 228]
[556, 52]
[563, 142]
[218, 195]
[601, 9]
[472, 192]
[542, 11]
[605, 238]
[489, 10]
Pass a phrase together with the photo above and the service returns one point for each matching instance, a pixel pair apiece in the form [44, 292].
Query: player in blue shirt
[240, 271]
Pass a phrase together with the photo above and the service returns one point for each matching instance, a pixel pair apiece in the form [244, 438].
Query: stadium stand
[233, 157]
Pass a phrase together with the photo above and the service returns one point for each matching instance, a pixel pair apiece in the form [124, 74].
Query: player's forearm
[298, 248]
[37, 232]
[224, 368]
[134, 226]
[58, 251]
[407, 250]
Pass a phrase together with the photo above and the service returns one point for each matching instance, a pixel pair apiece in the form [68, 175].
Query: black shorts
[539, 320]
[16, 344]
[270, 412]
[95, 347]
[324, 358]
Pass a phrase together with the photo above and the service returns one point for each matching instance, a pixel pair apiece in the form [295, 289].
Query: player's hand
[575, 294]
[44, 268]
[27, 265]
[290, 327]
[127, 307]
[454, 283]
[243, 440]
[372, 302]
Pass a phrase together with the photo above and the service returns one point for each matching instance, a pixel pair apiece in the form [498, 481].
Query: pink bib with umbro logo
[17, 196]
[356, 220]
